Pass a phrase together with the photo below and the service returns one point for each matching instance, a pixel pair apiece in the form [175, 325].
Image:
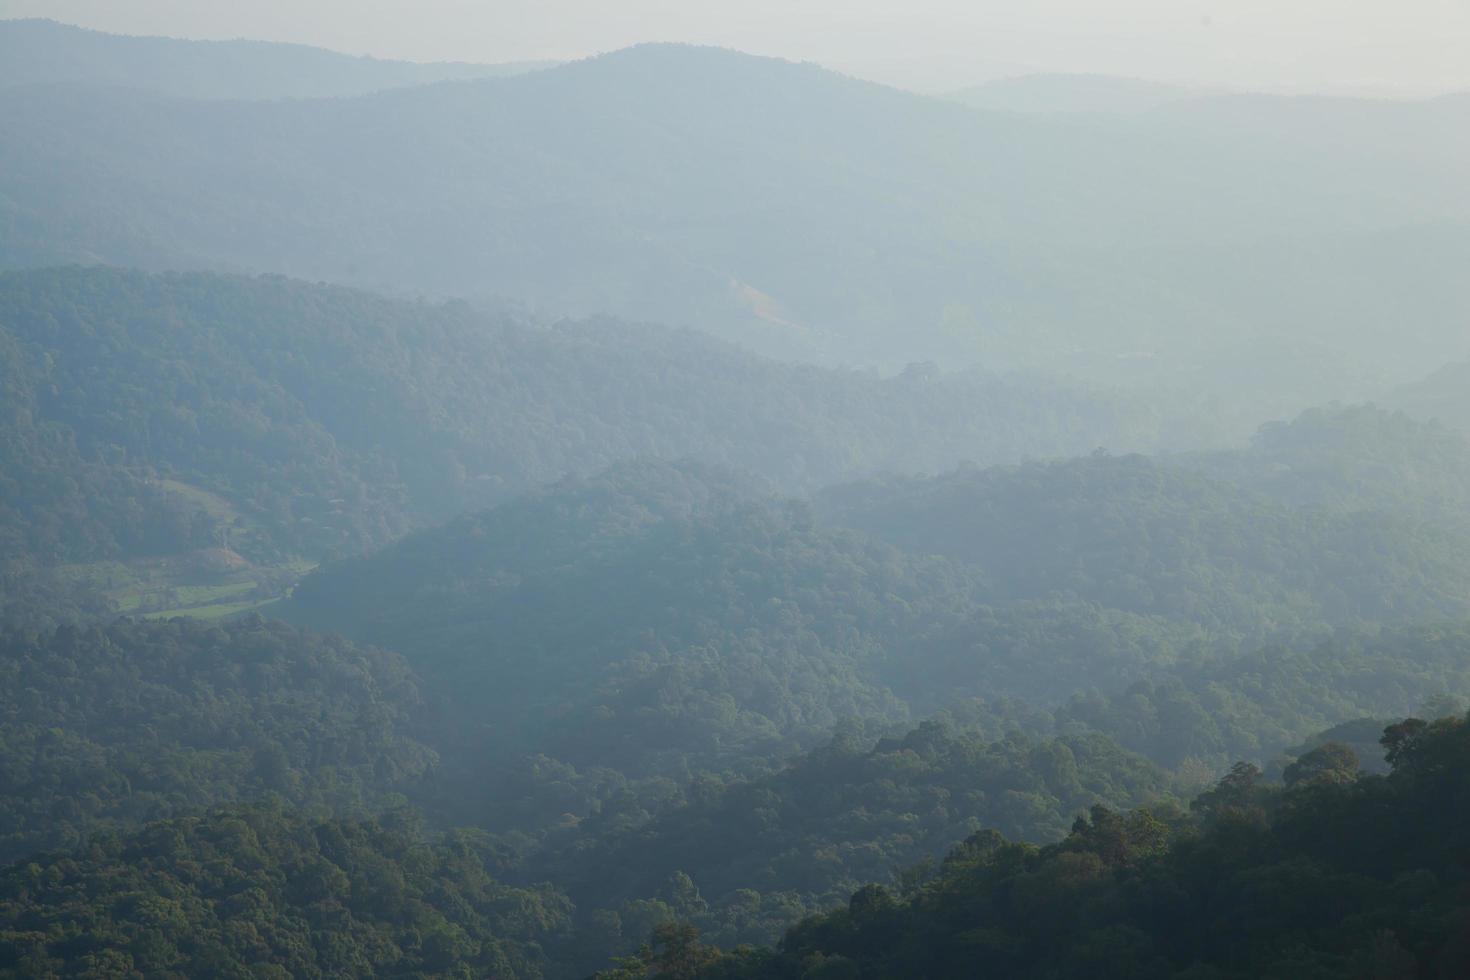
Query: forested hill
[1140, 535]
[648, 620]
[1355, 458]
[1334, 874]
[332, 420]
[695, 186]
[36, 52]
[663, 618]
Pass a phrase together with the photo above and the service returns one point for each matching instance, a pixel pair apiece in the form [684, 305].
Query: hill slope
[662, 618]
[1138, 535]
[1332, 875]
[106, 728]
[157, 414]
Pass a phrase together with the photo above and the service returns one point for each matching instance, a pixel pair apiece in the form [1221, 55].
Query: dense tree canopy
[1333, 875]
[745, 854]
[111, 727]
[1138, 535]
[260, 892]
[327, 420]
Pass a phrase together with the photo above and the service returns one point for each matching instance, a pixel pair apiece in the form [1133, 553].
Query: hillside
[1334, 874]
[109, 727]
[1138, 535]
[44, 52]
[258, 891]
[648, 620]
[1205, 252]
[1352, 459]
[156, 415]
[660, 619]
[754, 852]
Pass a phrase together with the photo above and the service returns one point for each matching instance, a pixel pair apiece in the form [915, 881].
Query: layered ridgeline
[1414, 462]
[1363, 872]
[110, 727]
[619, 670]
[41, 52]
[269, 891]
[1202, 246]
[1333, 874]
[743, 859]
[152, 415]
[664, 618]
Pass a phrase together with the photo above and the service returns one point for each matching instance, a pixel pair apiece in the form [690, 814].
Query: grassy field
[176, 586]
[209, 584]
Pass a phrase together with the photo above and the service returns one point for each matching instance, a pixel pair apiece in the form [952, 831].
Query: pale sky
[1366, 46]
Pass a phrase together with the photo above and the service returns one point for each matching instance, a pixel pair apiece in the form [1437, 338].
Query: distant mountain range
[1264, 252]
[45, 52]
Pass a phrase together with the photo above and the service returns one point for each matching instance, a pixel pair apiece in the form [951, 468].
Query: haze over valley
[553, 508]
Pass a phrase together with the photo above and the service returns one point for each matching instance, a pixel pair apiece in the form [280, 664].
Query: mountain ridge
[41, 50]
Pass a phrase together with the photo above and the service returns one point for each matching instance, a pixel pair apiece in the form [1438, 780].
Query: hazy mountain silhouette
[44, 51]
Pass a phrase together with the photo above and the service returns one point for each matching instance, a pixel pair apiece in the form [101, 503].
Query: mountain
[166, 415]
[44, 52]
[1068, 93]
[1204, 250]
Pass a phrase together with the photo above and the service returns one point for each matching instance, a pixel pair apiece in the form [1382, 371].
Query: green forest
[685, 515]
[675, 706]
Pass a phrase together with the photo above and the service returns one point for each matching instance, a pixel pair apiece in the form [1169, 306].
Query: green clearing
[218, 610]
[204, 584]
[175, 586]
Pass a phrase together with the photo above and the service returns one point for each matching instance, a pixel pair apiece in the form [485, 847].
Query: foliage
[1137, 535]
[1352, 458]
[263, 893]
[113, 726]
[1254, 704]
[1332, 876]
[740, 858]
[157, 414]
